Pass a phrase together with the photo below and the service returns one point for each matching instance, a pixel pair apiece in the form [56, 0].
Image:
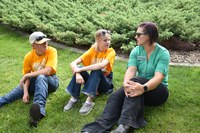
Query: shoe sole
[35, 115]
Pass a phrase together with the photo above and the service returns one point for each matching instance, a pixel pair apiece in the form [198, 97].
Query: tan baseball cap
[38, 37]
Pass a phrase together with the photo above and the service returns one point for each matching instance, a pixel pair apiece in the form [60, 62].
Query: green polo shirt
[158, 62]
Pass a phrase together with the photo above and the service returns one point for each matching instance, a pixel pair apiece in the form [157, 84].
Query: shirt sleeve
[133, 58]
[111, 57]
[163, 63]
[86, 57]
[26, 65]
[52, 59]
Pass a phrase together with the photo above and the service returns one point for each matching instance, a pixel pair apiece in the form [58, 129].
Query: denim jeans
[127, 110]
[40, 86]
[95, 81]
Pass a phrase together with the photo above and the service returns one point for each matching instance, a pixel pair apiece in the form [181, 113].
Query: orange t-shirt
[33, 62]
[92, 57]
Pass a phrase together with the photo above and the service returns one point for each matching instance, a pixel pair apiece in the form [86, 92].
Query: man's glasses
[103, 33]
[139, 34]
[40, 38]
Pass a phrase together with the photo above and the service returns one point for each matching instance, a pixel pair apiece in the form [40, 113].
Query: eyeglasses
[103, 33]
[139, 34]
[39, 38]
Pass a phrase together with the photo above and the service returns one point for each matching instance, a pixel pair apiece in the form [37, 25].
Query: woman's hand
[136, 90]
[79, 79]
[133, 89]
[128, 87]
[76, 70]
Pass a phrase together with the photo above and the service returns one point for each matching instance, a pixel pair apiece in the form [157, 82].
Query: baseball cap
[38, 37]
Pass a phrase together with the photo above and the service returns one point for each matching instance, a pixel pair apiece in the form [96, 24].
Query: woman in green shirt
[145, 83]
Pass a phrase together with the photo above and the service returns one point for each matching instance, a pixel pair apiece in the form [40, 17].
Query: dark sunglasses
[40, 38]
[103, 33]
[139, 34]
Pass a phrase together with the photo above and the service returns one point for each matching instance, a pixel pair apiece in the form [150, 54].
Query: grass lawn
[180, 114]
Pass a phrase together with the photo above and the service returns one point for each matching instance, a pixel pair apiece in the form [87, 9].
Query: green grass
[181, 113]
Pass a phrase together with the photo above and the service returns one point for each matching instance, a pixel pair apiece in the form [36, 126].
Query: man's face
[41, 48]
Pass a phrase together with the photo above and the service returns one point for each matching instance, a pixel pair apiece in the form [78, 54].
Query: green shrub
[75, 22]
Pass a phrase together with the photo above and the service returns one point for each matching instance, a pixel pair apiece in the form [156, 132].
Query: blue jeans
[40, 86]
[95, 81]
[127, 110]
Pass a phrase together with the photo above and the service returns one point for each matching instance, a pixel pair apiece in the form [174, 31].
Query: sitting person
[39, 77]
[145, 83]
[99, 60]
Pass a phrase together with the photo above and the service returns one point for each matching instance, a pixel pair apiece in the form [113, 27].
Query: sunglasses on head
[139, 34]
[103, 33]
[40, 38]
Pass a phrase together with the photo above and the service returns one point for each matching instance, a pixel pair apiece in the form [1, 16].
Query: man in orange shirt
[39, 77]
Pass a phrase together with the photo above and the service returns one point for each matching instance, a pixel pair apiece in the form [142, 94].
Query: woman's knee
[96, 71]
[156, 97]
[139, 80]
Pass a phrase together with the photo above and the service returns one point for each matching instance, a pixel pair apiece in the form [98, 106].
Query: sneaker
[86, 108]
[69, 105]
[35, 115]
[121, 129]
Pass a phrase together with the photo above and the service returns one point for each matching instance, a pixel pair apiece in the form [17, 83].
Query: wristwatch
[145, 88]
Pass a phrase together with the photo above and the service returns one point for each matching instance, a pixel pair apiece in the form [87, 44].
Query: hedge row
[74, 22]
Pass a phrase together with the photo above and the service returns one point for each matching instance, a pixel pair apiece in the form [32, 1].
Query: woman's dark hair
[150, 28]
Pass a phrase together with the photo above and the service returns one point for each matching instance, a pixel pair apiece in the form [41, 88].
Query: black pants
[127, 110]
